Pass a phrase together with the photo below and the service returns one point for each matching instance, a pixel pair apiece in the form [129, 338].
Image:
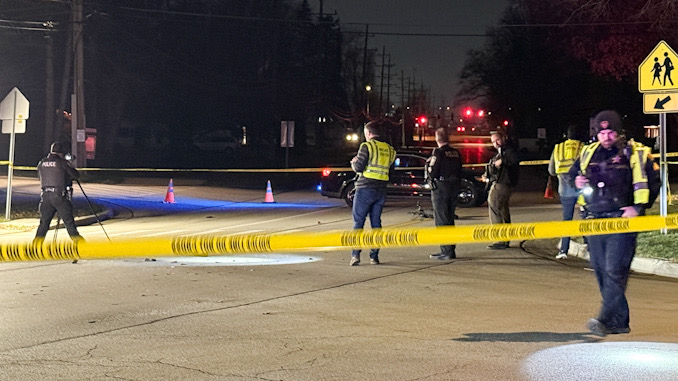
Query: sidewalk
[650, 266]
[26, 224]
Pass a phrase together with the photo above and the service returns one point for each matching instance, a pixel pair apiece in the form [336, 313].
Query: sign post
[660, 96]
[13, 113]
[287, 138]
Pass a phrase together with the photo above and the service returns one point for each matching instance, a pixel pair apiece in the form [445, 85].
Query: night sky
[435, 61]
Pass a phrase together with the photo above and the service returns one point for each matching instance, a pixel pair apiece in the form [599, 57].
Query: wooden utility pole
[49, 94]
[78, 97]
[402, 91]
[381, 86]
[367, 30]
[388, 86]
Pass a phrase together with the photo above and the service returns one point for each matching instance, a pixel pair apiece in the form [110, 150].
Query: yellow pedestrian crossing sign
[655, 73]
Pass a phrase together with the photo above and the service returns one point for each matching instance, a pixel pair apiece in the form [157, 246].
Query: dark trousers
[51, 203]
[498, 203]
[444, 199]
[611, 256]
[568, 204]
[368, 201]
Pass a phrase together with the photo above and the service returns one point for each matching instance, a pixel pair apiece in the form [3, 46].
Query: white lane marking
[169, 232]
[226, 229]
[127, 232]
[279, 219]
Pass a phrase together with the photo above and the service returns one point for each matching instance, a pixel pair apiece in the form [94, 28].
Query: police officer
[616, 179]
[444, 171]
[563, 156]
[372, 163]
[56, 176]
[502, 174]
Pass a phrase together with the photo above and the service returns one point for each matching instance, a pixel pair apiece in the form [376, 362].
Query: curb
[26, 224]
[652, 266]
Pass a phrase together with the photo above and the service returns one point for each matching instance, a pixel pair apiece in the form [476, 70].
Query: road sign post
[13, 113]
[660, 96]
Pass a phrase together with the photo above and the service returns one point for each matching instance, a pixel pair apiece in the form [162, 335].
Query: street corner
[23, 224]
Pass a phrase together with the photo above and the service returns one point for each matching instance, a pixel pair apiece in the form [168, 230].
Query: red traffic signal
[422, 120]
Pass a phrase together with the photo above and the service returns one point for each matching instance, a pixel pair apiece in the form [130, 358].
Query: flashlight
[587, 190]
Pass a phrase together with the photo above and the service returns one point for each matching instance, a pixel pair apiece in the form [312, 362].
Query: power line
[251, 18]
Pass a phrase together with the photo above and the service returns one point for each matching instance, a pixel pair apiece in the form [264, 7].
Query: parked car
[216, 141]
[406, 181]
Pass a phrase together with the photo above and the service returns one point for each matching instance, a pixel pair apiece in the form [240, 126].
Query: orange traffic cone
[550, 185]
[269, 193]
[169, 196]
[548, 193]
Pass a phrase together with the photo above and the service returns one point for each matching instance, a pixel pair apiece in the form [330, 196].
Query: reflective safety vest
[638, 155]
[381, 157]
[565, 153]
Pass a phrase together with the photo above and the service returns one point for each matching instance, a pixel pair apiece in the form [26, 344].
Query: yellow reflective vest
[565, 153]
[637, 159]
[381, 157]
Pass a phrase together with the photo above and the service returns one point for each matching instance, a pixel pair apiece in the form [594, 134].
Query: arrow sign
[659, 105]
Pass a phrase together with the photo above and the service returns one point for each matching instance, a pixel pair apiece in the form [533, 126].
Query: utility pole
[404, 114]
[388, 86]
[381, 86]
[78, 97]
[402, 91]
[49, 94]
[365, 96]
[367, 29]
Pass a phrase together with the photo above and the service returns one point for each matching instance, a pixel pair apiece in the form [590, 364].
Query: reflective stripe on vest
[637, 160]
[565, 153]
[381, 157]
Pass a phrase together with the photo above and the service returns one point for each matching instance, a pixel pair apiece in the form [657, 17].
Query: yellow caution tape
[268, 170]
[534, 162]
[203, 245]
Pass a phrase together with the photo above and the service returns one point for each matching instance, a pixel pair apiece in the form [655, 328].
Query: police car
[407, 181]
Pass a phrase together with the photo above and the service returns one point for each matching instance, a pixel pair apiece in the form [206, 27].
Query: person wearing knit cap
[615, 180]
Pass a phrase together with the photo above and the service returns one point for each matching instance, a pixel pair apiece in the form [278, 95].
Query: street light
[368, 88]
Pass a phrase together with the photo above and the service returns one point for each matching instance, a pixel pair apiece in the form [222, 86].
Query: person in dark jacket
[56, 177]
[372, 163]
[502, 174]
[616, 179]
[444, 171]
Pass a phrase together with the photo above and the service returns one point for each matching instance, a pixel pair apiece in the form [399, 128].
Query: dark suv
[406, 181]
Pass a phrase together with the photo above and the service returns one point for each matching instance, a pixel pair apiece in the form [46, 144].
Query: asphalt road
[515, 314]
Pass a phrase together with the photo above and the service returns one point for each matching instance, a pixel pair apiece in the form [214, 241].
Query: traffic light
[506, 122]
[481, 113]
[422, 120]
[468, 112]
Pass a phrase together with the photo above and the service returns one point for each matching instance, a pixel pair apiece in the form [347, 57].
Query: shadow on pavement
[528, 337]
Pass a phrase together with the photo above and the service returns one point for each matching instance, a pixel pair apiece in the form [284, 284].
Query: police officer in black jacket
[444, 171]
[502, 174]
[616, 179]
[56, 177]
